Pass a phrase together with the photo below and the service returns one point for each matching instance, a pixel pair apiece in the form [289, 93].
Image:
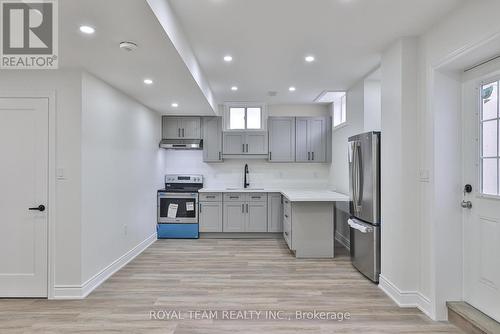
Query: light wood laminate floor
[222, 275]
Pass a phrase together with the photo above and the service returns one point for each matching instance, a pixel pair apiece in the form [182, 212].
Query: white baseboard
[342, 240]
[406, 298]
[82, 291]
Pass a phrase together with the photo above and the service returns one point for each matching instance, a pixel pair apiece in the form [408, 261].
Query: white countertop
[294, 195]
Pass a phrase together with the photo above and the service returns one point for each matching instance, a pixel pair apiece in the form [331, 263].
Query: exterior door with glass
[482, 206]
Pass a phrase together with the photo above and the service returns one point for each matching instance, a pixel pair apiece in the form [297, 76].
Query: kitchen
[316, 167]
[261, 205]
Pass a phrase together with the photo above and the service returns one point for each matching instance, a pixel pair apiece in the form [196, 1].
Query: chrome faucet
[245, 180]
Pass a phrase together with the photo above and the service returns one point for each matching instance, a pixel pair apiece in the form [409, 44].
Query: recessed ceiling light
[309, 59]
[292, 89]
[87, 29]
[228, 58]
[175, 105]
[148, 81]
[234, 88]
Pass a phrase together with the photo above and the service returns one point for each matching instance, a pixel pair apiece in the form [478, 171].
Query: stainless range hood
[182, 144]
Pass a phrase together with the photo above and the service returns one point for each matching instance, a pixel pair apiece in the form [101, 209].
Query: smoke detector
[128, 46]
[272, 93]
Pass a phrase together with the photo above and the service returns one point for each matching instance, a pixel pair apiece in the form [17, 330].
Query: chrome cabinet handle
[270, 156]
[286, 233]
[247, 148]
[183, 133]
[312, 154]
[220, 156]
[179, 132]
[308, 156]
[242, 208]
[243, 148]
[213, 196]
[200, 207]
[286, 216]
[247, 208]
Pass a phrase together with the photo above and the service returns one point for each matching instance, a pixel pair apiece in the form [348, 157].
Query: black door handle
[40, 208]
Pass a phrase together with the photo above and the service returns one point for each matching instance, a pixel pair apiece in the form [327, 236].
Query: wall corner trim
[406, 299]
[82, 291]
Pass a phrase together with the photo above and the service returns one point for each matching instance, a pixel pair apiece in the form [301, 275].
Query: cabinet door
[210, 216]
[191, 128]
[302, 153]
[212, 139]
[234, 217]
[171, 127]
[317, 139]
[256, 143]
[281, 139]
[256, 220]
[234, 143]
[274, 213]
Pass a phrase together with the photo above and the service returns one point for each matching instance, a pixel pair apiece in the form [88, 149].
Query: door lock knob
[467, 205]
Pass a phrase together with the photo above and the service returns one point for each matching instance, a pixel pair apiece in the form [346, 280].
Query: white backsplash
[262, 173]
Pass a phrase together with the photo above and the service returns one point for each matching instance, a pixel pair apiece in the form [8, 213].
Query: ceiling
[268, 40]
[156, 58]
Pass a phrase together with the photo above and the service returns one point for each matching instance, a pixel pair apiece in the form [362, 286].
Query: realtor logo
[28, 34]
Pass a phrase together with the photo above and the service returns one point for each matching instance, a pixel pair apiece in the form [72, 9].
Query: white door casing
[24, 140]
[482, 221]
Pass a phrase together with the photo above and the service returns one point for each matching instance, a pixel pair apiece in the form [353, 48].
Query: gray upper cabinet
[234, 143]
[212, 139]
[274, 213]
[311, 139]
[245, 143]
[301, 141]
[181, 127]
[282, 139]
[256, 143]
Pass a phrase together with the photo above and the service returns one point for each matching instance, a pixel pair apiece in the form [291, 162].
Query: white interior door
[24, 185]
[482, 220]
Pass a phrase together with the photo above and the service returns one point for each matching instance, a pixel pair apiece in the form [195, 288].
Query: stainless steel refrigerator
[364, 188]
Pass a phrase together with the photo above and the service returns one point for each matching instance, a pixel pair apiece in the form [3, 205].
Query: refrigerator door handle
[359, 226]
[359, 182]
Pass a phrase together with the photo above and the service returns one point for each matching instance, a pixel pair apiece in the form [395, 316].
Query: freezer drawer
[365, 248]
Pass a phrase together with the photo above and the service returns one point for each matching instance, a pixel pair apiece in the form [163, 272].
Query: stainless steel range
[178, 207]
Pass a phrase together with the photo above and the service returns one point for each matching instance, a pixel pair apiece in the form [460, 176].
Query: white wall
[67, 87]
[448, 40]
[373, 105]
[121, 170]
[399, 161]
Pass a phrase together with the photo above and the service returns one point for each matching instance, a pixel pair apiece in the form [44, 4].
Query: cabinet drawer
[287, 208]
[210, 197]
[287, 232]
[257, 197]
[234, 197]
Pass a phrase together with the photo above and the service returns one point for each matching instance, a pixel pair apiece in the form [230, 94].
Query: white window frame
[480, 132]
[246, 105]
[344, 123]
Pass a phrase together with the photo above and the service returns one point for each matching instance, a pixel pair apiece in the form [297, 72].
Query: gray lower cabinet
[210, 217]
[212, 139]
[245, 143]
[234, 217]
[256, 220]
[181, 127]
[281, 139]
[311, 137]
[245, 213]
[274, 213]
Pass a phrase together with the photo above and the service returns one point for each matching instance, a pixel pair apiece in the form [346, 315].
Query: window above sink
[242, 116]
